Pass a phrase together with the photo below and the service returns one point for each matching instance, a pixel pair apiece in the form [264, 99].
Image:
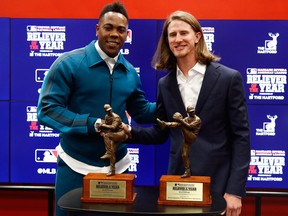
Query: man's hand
[162, 124]
[127, 130]
[234, 205]
[100, 126]
[101, 132]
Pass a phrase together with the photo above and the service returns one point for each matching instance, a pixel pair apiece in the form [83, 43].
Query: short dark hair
[117, 7]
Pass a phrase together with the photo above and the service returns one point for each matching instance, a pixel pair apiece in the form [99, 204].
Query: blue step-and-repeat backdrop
[258, 49]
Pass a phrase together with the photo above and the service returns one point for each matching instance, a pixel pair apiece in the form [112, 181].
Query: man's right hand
[127, 130]
[162, 124]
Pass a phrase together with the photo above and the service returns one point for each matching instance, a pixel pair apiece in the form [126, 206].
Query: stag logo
[268, 128]
[270, 46]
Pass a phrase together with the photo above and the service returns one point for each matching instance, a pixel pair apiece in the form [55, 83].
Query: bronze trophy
[114, 134]
[186, 190]
[110, 187]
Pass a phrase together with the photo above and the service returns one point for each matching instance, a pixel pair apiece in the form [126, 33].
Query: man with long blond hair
[222, 147]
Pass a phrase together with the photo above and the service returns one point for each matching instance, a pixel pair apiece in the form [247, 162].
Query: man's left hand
[234, 205]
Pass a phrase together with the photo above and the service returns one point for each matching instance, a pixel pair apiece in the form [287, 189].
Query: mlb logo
[46, 156]
[129, 36]
[40, 74]
[251, 70]
[31, 28]
[31, 109]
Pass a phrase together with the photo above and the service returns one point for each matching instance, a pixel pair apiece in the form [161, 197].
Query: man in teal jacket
[74, 92]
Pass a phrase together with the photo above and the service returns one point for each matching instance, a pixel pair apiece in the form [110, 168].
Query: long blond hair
[164, 59]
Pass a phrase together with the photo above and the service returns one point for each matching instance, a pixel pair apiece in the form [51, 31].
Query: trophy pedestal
[190, 191]
[99, 188]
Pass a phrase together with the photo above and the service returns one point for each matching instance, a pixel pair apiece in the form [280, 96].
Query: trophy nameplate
[100, 188]
[190, 191]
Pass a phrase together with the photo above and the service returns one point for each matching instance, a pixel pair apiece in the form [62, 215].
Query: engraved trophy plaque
[185, 190]
[100, 188]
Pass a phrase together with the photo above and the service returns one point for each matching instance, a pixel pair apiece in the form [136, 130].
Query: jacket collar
[94, 58]
[210, 78]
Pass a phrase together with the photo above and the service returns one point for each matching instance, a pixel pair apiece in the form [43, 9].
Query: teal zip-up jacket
[73, 95]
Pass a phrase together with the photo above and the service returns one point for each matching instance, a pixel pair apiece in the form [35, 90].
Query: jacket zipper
[111, 84]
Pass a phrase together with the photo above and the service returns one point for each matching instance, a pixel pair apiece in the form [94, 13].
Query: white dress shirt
[109, 61]
[190, 86]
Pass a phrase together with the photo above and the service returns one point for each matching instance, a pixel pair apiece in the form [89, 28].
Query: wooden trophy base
[99, 188]
[190, 191]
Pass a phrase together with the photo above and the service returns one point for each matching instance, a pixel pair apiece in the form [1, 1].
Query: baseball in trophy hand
[177, 116]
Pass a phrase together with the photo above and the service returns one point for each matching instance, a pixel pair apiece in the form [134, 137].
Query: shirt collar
[198, 67]
[103, 55]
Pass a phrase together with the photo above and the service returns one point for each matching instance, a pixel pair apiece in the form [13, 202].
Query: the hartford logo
[266, 83]
[37, 130]
[266, 165]
[46, 41]
[270, 46]
[268, 128]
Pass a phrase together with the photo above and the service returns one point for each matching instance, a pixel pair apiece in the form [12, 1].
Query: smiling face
[112, 32]
[182, 39]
